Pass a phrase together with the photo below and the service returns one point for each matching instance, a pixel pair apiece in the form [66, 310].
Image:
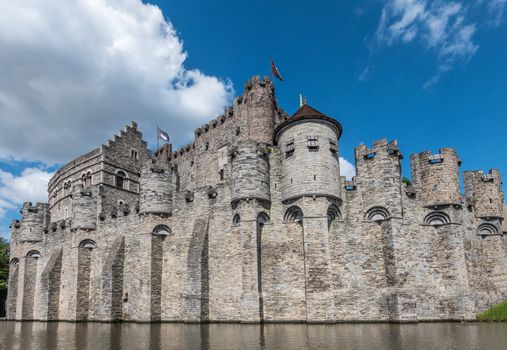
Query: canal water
[126, 336]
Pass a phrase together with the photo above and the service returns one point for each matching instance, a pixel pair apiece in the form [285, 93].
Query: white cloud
[74, 72]
[347, 169]
[446, 27]
[365, 73]
[29, 186]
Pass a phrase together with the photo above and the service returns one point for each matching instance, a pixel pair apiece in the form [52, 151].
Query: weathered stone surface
[237, 227]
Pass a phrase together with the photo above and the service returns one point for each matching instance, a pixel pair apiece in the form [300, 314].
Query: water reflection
[126, 336]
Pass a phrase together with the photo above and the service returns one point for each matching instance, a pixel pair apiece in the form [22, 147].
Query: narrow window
[289, 148]
[221, 174]
[206, 146]
[120, 179]
[314, 177]
[133, 153]
[313, 143]
[333, 147]
[238, 131]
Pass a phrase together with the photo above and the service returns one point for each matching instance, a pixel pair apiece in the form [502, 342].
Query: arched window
[333, 213]
[236, 219]
[263, 218]
[437, 218]
[121, 179]
[14, 262]
[83, 180]
[377, 214]
[33, 254]
[88, 179]
[293, 214]
[88, 244]
[161, 230]
[487, 229]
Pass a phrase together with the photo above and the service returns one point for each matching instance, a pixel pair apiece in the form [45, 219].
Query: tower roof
[307, 114]
[307, 111]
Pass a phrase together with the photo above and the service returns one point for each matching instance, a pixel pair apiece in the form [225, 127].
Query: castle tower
[259, 97]
[485, 193]
[309, 144]
[34, 219]
[310, 186]
[155, 189]
[379, 175]
[436, 177]
[250, 172]
[84, 208]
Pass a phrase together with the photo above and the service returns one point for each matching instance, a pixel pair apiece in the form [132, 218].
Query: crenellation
[252, 221]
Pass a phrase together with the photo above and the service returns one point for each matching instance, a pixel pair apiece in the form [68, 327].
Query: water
[101, 336]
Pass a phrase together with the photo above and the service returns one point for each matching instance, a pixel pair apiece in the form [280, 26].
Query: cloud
[365, 73]
[30, 185]
[347, 169]
[445, 27]
[75, 72]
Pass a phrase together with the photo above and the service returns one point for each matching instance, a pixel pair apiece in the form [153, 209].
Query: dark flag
[162, 135]
[274, 71]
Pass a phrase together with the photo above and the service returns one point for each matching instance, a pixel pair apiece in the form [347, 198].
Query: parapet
[380, 148]
[484, 191]
[436, 177]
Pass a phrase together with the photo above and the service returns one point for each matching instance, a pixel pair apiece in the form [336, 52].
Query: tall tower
[259, 98]
[34, 219]
[310, 187]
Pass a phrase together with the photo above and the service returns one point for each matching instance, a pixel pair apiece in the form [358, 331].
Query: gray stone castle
[252, 222]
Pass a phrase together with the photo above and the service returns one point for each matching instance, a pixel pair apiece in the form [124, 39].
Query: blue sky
[428, 73]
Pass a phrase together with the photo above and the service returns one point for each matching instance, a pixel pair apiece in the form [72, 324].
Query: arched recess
[197, 299]
[293, 214]
[50, 282]
[487, 229]
[377, 214]
[437, 218]
[30, 275]
[333, 214]
[85, 254]
[12, 290]
[121, 180]
[262, 220]
[158, 234]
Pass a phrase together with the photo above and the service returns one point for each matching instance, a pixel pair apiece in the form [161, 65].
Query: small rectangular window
[133, 154]
[333, 147]
[313, 143]
[289, 148]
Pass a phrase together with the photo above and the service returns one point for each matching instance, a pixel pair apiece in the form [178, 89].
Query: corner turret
[156, 188]
[484, 190]
[436, 177]
[35, 218]
[84, 208]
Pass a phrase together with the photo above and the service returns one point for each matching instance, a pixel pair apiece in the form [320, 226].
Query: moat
[126, 336]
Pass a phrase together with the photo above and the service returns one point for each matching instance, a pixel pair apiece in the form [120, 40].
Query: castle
[252, 222]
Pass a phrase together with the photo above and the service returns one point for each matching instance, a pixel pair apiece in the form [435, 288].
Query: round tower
[34, 219]
[155, 189]
[308, 144]
[250, 172]
[84, 209]
[484, 190]
[259, 97]
[436, 176]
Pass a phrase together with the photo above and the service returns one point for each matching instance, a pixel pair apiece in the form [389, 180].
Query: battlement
[436, 176]
[380, 148]
[484, 190]
[35, 219]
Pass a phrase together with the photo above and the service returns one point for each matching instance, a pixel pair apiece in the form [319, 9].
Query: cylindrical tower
[84, 209]
[250, 172]
[436, 176]
[260, 103]
[34, 219]
[309, 146]
[155, 189]
[485, 193]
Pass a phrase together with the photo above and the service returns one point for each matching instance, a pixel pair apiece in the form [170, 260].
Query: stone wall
[217, 231]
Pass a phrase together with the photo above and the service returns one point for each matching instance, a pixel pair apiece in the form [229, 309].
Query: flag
[274, 71]
[162, 135]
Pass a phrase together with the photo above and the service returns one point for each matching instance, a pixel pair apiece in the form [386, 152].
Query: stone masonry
[252, 222]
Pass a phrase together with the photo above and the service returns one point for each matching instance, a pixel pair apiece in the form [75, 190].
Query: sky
[429, 74]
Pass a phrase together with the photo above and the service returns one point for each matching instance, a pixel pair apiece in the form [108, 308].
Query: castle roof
[307, 113]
